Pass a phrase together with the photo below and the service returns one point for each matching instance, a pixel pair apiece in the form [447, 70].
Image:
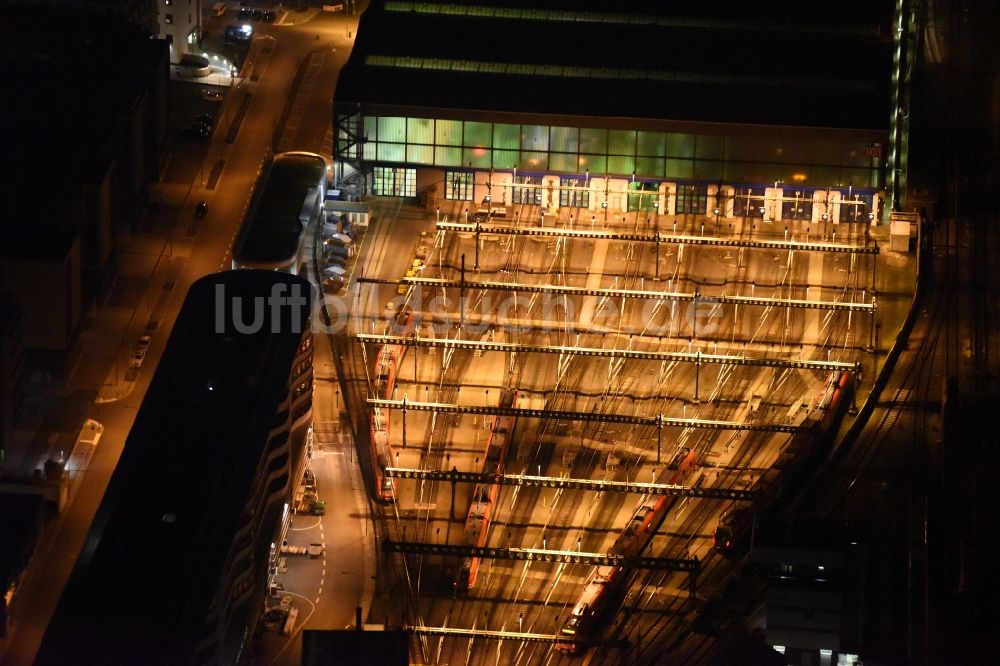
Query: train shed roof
[778, 62]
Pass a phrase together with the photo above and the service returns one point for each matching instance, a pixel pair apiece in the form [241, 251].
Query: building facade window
[573, 193]
[394, 182]
[621, 153]
[527, 190]
[692, 199]
[168, 19]
[855, 207]
[796, 205]
[458, 185]
[748, 201]
[643, 196]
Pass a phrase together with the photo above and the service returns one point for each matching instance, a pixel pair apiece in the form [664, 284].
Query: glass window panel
[796, 204]
[420, 154]
[391, 152]
[527, 190]
[651, 143]
[643, 196]
[534, 137]
[857, 177]
[574, 193]
[623, 164]
[507, 137]
[479, 158]
[751, 172]
[851, 154]
[747, 201]
[369, 150]
[680, 145]
[708, 169]
[478, 135]
[741, 148]
[563, 162]
[393, 182]
[564, 140]
[680, 168]
[597, 164]
[458, 185]
[692, 199]
[505, 159]
[533, 161]
[830, 152]
[447, 156]
[649, 167]
[709, 147]
[791, 151]
[392, 129]
[448, 133]
[593, 141]
[855, 207]
[419, 130]
[371, 128]
[621, 142]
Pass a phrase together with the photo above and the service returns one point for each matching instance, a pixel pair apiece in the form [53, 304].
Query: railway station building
[776, 110]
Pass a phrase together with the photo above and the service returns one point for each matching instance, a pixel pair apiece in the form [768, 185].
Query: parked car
[138, 356]
[204, 126]
[319, 507]
[268, 16]
[205, 119]
[334, 260]
[194, 133]
[213, 95]
[332, 284]
[244, 13]
[335, 250]
[334, 270]
[144, 342]
[201, 210]
[256, 14]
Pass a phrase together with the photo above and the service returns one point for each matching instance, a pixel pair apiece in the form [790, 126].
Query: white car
[334, 270]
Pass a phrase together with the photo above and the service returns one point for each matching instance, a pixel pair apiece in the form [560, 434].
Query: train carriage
[484, 497]
[386, 365]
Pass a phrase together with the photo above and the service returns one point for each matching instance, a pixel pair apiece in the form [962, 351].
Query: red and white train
[484, 497]
[604, 581]
[386, 364]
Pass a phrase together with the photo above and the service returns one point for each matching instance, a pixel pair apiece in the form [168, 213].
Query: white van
[218, 9]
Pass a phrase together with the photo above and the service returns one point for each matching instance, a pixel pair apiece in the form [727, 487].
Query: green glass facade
[647, 155]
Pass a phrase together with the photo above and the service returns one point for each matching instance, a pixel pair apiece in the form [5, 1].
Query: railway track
[537, 596]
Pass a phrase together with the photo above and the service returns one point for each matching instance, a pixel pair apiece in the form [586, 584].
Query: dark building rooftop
[150, 568]
[350, 647]
[67, 78]
[20, 516]
[777, 62]
[273, 226]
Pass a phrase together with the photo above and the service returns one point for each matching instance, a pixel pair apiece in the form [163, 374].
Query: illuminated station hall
[624, 294]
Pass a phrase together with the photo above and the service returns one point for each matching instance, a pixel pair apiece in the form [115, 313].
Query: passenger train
[387, 362]
[604, 581]
[484, 497]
